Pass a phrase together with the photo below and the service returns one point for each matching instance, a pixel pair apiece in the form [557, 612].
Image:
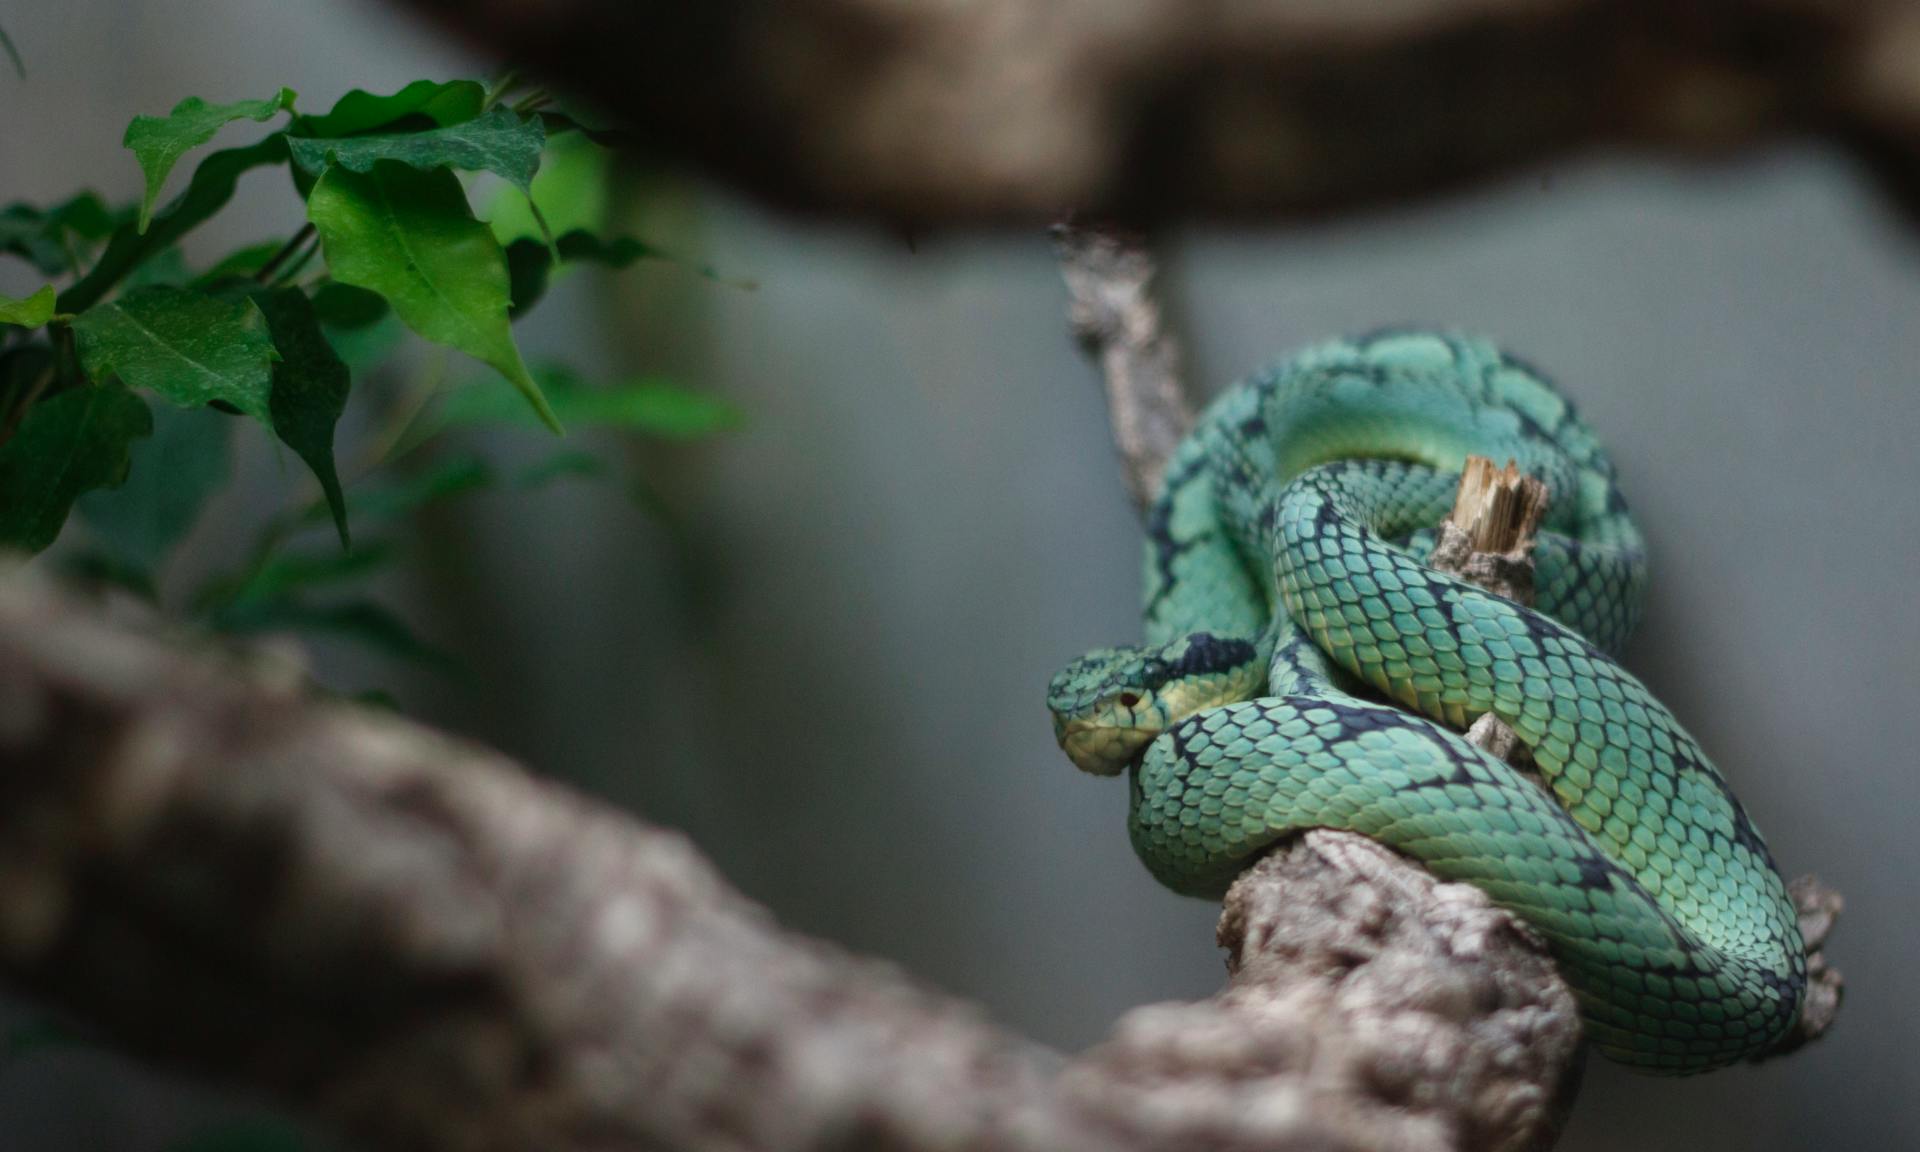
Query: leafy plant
[126, 376]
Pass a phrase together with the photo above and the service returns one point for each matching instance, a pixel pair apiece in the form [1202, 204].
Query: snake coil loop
[1304, 668]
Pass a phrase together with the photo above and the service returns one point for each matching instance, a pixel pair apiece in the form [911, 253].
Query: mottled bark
[413, 942]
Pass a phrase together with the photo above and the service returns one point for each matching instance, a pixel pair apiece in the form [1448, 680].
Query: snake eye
[1129, 699]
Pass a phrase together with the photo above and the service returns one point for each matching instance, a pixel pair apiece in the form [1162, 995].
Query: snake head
[1111, 703]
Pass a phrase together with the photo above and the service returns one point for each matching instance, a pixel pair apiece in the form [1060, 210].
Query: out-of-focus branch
[1819, 909]
[409, 940]
[929, 111]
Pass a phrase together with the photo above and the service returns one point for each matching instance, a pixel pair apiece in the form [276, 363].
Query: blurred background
[823, 652]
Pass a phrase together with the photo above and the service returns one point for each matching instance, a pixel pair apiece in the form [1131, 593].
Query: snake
[1303, 666]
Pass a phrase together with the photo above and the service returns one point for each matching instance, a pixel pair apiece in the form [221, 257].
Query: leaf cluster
[125, 377]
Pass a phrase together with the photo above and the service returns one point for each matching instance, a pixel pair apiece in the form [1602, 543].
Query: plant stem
[390, 442]
[62, 336]
[501, 85]
[400, 419]
[299, 262]
[286, 250]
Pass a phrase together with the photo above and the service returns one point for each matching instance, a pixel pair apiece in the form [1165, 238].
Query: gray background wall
[835, 685]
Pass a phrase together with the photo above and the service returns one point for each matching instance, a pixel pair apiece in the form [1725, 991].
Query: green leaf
[28, 312]
[360, 621]
[281, 577]
[401, 497]
[26, 232]
[346, 307]
[618, 252]
[166, 268]
[621, 251]
[87, 216]
[189, 347]
[360, 111]
[68, 444]
[364, 349]
[21, 369]
[530, 262]
[529, 265]
[571, 190]
[188, 458]
[13, 54]
[158, 141]
[559, 466]
[498, 142]
[409, 236]
[655, 407]
[309, 392]
[239, 264]
[594, 127]
[358, 323]
[208, 192]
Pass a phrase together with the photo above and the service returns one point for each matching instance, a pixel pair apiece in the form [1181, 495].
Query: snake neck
[1234, 670]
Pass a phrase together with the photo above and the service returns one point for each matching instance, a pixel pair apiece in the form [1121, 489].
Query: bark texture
[928, 111]
[413, 942]
[1114, 313]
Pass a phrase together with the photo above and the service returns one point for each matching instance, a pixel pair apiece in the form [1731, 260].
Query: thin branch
[1114, 314]
[280, 256]
[928, 111]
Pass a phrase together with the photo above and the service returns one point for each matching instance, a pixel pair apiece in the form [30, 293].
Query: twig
[304, 233]
[1113, 312]
[1488, 539]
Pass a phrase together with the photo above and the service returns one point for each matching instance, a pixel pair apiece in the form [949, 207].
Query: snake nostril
[1129, 699]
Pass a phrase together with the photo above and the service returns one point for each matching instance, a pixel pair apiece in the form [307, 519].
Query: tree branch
[925, 111]
[411, 941]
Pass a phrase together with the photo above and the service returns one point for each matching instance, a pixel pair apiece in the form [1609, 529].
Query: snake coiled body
[1304, 668]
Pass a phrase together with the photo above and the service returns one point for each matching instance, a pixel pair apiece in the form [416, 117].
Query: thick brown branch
[932, 111]
[410, 940]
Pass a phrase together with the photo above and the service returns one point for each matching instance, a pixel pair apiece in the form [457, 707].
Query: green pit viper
[1286, 598]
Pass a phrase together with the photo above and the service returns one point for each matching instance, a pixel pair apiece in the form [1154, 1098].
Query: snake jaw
[1100, 747]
